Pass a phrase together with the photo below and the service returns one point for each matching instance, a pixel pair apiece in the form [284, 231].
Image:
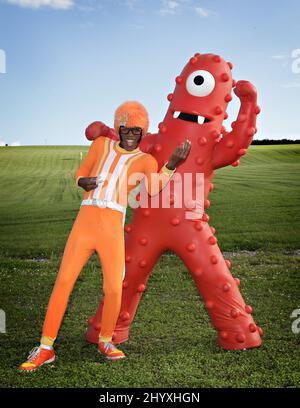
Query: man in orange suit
[104, 175]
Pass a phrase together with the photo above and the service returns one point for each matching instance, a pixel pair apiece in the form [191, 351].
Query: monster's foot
[230, 340]
[92, 333]
[120, 335]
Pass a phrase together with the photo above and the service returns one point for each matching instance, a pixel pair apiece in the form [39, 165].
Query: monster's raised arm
[97, 129]
[234, 144]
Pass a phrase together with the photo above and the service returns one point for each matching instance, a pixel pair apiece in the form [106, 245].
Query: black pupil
[198, 80]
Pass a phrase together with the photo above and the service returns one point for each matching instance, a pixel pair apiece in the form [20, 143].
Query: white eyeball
[200, 83]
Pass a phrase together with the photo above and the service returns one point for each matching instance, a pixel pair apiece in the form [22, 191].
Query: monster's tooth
[201, 119]
[176, 114]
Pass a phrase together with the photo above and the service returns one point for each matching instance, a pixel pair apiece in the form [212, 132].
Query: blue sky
[70, 62]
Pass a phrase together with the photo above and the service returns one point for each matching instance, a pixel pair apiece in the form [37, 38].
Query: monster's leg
[224, 303]
[142, 252]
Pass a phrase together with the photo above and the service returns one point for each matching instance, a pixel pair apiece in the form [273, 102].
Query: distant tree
[274, 142]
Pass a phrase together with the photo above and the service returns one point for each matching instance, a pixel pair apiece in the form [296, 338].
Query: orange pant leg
[79, 247]
[111, 251]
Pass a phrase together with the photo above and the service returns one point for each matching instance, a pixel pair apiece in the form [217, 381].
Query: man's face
[130, 137]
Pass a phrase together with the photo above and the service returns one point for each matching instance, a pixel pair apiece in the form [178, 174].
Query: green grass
[255, 210]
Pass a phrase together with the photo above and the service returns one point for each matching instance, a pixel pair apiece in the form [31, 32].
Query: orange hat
[131, 114]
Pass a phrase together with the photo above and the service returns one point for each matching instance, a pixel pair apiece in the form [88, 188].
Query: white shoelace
[33, 353]
[109, 345]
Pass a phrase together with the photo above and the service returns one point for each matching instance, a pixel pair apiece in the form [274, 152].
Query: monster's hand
[180, 153]
[97, 129]
[244, 89]
[233, 144]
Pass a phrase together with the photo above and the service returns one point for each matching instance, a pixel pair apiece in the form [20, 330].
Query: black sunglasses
[135, 130]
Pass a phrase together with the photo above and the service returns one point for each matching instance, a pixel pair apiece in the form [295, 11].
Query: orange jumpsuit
[99, 227]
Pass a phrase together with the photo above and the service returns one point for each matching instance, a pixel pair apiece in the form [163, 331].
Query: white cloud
[275, 136]
[202, 12]
[172, 4]
[291, 85]
[87, 24]
[169, 7]
[279, 57]
[2, 143]
[17, 143]
[130, 4]
[89, 6]
[35, 4]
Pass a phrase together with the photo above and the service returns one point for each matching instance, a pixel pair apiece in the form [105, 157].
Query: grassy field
[255, 210]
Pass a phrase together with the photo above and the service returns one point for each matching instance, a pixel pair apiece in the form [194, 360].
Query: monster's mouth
[190, 117]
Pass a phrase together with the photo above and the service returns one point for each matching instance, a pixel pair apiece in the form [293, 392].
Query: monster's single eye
[200, 83]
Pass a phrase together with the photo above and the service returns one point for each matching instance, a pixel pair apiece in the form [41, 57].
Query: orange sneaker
[110, 351]
[37, 357]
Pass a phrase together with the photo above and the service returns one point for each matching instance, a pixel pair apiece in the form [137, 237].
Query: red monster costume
[196, 111]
